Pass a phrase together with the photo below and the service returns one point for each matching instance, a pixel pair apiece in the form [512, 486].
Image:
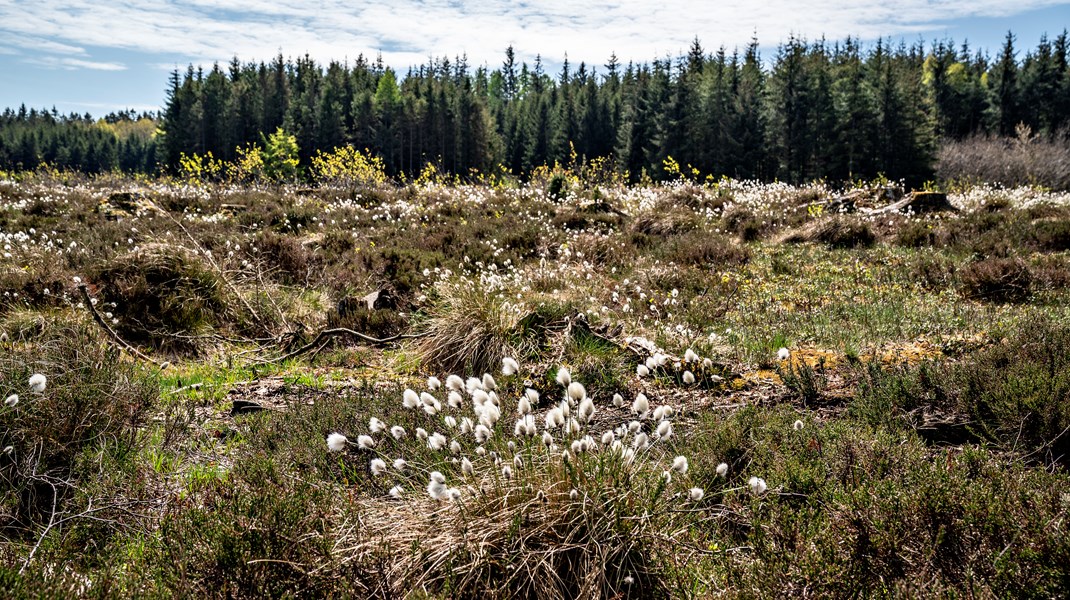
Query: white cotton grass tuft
[450, 421]
[722, 470]
[472, 384]
[433, 383]
[455, 447]
[664, 430]
[400, 465]
[523, 406]
[576, 391]
[454, 494]
[436, 488]
[690, 356]
[482, 433]
[488, 382]
[410, 399]
[38, 383]
[696, 494]
[11, 400]
[783, 354]
[395, 492]
[454, 399]
[642, 370]
[688, 377]
[377, 466]
[608, 438]
[454, 383]
[585, 410]
[376, 426]
[573, 494]
[618, 400]
[798, 425]
[641, 406]
[507, 472]
[563, 376]
[397, 431]
[532, 396]
[509, 366]
[757, 486]
[365, 442]
[640, 441]
[421, 434]
[436, 441]
[547, 439]
[336, 442]
[663, 412]
[679, 464]
[467, 467]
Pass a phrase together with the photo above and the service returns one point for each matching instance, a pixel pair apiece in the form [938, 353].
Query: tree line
[121, 141]
[814, 110]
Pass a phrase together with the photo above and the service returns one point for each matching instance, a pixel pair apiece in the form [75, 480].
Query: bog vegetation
[562, 387]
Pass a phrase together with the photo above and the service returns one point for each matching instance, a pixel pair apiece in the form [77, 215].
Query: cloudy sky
[80, 56]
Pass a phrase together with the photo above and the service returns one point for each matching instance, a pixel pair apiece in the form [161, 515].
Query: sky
[87, 56]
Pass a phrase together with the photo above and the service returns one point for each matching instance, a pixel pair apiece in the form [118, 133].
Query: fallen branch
[111, 332]
[338, 332]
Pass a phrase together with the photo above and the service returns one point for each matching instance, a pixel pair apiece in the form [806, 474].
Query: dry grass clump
[530, 538]
[837, 231]
[469, 329]
[163, 295]
[997, 280]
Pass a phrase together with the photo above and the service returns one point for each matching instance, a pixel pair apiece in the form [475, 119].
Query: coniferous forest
[817, 109]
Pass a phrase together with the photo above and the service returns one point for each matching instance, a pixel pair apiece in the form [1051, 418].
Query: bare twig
[111, 332]
[338, 332]
[51, 522]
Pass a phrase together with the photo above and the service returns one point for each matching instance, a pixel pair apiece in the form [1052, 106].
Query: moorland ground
[200, 344]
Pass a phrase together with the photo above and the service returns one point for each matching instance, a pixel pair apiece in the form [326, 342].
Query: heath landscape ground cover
[550, 389]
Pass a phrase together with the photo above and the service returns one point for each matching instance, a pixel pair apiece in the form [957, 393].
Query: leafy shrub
[93, 398]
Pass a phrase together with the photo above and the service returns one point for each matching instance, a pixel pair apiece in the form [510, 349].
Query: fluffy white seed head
[707, 363]
[679, 464]
[618, 400]
[437, 477]
[472, 384]
[576, 391]
[509, 366]
[607, 438]
[454, 383]
[395, 492]
[427, 399]
[421, 434]
[532, 396]
[564, 377]
[376, 426]
[664, 430]
[573, 426]
[518, 462]
[479, 399]
[482, 433]
[488, 382]
[507, 472]
[377, 466]
[688, 377]
[433, 383]
[11, 400]
[455, 447]
[554, 418]
[547, 439]
[690, 356]
[436, 441]
[640, 441]
[574, 494]
[783, 354]
[757, 486]
[722, 470]
[454, 399]
[798, 425]
[410, 399]
[454, 494]
[450, 421]
[437, 490]
[577, 447]
[634, 426]
[400, 464]
[466, 467]
[365, 442]
[336, 442]
[397, 431]
[696, 494]
[642, 370]
[523, 406]
[467, 425]
[37, 383]
[667, 476]
[585, 410]
[641, 406]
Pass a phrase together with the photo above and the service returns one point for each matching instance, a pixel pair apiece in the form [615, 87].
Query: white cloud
[56, 62]
[408, 32]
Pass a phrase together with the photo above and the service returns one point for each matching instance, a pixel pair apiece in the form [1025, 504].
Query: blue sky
[87, 56]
